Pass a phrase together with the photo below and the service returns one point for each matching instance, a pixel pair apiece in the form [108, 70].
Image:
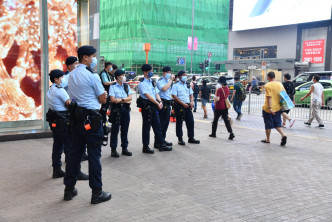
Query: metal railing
[302, 110]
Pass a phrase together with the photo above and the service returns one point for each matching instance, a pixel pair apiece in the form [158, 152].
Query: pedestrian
[150, 102]
[290, 90]
[183, 98]
[272, 109]
[86, 125]
[237, 97]
[205, 95]
[317, 101]
[220, 109]
[106, 81]
[195, 89]
[120, 97]
[165, 87]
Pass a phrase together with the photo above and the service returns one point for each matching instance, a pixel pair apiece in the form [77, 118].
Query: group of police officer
[78, 121]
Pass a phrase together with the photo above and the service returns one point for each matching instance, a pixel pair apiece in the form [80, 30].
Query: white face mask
[124, 79]
[93, 62]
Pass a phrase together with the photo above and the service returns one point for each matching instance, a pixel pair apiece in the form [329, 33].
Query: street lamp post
[192, 37]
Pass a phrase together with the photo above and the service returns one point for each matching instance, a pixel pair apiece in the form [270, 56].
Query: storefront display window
[20, 61]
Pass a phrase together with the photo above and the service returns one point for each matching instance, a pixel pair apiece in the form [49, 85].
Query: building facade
[264, 41]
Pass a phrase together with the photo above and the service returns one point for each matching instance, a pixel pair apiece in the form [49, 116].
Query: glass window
[306, 86]
[326, 85]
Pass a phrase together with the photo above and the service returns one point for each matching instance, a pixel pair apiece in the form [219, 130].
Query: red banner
[313, 51]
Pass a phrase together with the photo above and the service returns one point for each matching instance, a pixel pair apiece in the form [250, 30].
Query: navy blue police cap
[181, 72]
[56, 73]
[70, 60]
[86, 50]
[119, 72]
[166, 69]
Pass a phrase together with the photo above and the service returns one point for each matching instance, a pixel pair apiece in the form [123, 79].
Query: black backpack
[196, 88]
[241, 95]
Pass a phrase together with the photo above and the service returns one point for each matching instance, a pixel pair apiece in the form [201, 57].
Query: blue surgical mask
[168, 76]
[184, 78]
[94, 62]
[150, 74]
[63, 83]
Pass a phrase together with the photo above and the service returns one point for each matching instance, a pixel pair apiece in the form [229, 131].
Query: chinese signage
[313, 51]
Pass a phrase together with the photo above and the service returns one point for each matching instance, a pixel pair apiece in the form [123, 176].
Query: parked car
[307, 77]
[303, 89]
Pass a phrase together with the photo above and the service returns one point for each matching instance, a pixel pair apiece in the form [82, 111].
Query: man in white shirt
[317, 101]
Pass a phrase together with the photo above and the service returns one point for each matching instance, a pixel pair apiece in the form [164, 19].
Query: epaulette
[90, 70]
[58, 86]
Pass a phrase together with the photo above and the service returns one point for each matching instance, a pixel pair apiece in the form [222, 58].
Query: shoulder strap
[223, 91]
[125, 86]
[90, 70]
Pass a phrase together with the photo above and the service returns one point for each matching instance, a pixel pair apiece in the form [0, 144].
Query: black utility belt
[167, 102]
[178, 105]
[121, 105]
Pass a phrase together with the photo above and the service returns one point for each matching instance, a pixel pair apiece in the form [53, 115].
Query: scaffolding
[127, 24]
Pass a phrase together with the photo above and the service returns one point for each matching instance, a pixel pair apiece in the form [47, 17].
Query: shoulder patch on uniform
[58, 86]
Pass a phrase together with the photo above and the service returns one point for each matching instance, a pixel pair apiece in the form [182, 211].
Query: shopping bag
[285, 101]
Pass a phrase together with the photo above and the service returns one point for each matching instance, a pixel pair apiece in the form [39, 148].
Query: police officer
[150, 103]
[86, 124]
[106, 81]
[183, 97]
[165, 87]
[71, 63]
[57, 116]
[120, 96]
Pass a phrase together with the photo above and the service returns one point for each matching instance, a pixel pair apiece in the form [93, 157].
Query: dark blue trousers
[151, 119]
[164, 115]
[188, 118]
[93, 140]
[61, 143]
[124, 124]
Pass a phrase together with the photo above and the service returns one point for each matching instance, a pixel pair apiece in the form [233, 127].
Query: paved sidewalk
[218, 180]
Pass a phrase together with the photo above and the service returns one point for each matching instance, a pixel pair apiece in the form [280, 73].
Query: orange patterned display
[20, 53]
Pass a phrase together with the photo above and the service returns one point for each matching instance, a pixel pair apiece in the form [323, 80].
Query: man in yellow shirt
[272, 109]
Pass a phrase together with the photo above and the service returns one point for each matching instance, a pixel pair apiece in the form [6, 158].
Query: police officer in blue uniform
[71, 63]
[57, 116]
[86, 124]
[150, 102]
[183, 97]
[165, 88]
[120, 97]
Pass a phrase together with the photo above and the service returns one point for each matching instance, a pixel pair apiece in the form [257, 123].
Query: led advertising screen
[20, 54]
[255, 14]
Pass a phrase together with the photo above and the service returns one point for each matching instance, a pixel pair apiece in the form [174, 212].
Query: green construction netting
[127, 24]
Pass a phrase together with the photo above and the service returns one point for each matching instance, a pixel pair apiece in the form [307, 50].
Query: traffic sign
[180, 61]
[263, 65]
[209, 54]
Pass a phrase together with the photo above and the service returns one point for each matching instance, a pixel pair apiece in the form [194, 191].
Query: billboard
[313, 51]
[20, 56]
[254, 14]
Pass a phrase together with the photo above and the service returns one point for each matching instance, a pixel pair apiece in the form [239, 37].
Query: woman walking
[221, 109]
[205, 94]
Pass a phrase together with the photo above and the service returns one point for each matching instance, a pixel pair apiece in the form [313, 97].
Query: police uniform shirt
[181, 91]
[85, 87]
[167, 94]
[146, 87]
[105, 77]
[64, 83]
[118, 91]
[57, 97]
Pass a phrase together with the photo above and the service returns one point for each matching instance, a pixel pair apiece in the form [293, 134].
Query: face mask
[111, 69]
[123, 79]
[150, 74]
[94, 62]
[168, 76]
[184, 78]
[62, 83]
